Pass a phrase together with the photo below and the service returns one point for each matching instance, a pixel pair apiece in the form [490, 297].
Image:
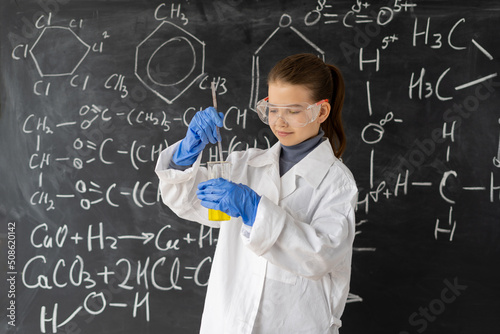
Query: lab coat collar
[270, 156]
[313, 167]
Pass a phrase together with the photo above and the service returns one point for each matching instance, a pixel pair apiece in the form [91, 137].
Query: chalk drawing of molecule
[285, 39]
[169, 61]
[58, 51]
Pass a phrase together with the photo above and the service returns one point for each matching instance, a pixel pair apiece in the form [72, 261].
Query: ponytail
[332, 126]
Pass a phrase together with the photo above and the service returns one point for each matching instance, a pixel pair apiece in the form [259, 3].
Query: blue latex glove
[201, 131]
[231, 198]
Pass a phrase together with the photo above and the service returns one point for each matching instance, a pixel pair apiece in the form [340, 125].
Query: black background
[402, 270]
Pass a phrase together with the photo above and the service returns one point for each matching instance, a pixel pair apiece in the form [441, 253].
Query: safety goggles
[296, 115]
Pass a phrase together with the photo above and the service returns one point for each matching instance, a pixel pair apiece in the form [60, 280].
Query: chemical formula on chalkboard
[92, 92]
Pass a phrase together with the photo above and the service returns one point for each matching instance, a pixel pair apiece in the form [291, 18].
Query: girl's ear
[324, 112]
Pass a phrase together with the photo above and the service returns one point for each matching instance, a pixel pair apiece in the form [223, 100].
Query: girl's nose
[280, 121]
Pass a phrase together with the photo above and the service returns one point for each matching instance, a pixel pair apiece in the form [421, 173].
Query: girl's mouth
[283, 133]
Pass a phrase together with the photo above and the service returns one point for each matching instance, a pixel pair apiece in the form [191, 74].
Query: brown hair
[325, 81]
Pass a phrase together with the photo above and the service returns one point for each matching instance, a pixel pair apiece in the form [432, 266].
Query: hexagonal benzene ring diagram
[290, 39]
[169, 61]
[54, 44]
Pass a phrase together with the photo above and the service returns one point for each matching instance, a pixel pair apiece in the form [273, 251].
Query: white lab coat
[290, 272]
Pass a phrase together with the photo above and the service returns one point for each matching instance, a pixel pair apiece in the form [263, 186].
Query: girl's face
[283, 93]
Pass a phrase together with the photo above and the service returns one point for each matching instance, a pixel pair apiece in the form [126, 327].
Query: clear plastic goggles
[296, 115]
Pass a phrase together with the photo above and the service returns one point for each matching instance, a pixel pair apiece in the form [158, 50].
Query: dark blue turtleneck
[290, 155]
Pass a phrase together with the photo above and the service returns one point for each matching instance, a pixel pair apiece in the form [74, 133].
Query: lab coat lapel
[273, 178]
[270, 182]
[288, 183]
[313, 168]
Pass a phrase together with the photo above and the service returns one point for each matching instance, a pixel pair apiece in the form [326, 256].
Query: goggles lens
[296, 115]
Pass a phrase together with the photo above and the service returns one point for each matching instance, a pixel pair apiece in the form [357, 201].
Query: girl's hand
[201, 131]
[233, 199]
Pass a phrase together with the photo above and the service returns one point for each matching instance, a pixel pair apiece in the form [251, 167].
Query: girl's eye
[294, 111]
[271, 110]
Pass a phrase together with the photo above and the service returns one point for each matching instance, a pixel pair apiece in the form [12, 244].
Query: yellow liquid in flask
[216, 215]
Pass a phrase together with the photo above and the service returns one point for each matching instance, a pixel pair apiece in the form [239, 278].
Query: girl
[282, 263]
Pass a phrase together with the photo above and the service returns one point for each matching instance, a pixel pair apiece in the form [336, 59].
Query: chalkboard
[92, 91]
